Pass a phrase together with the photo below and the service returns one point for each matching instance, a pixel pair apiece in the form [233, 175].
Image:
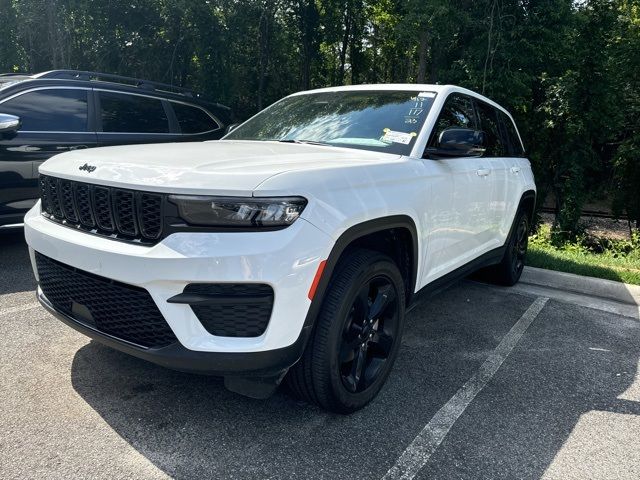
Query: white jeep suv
[292, 247]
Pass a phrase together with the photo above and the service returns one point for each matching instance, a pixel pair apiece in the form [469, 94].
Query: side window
[193, 119]
[457, 112]
[123, 113]
[495, 144]
[513, 140]
[50, 110]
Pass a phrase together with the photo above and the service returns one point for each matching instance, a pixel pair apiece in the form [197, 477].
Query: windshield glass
[385, 121]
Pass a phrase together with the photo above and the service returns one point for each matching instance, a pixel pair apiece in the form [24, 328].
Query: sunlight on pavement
[584, 454]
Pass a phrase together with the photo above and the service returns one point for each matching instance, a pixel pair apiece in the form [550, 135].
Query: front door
[459, 217]
[54, 120]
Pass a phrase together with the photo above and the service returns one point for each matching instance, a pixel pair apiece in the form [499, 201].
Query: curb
[590, 286]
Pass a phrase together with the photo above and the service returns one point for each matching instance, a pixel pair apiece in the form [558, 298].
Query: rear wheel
[509, 270]
[357, 335]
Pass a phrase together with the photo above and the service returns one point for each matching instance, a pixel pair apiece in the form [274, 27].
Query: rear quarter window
[193, 119]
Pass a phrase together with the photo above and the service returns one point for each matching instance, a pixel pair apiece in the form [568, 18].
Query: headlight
[239, 212]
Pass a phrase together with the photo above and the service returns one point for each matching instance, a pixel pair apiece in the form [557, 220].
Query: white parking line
[417, 454]
[21, 308]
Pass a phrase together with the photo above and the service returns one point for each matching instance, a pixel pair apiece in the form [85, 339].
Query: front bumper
[269, 363]
[286, 260]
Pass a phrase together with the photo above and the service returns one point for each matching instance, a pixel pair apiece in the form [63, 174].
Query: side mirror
[458, 142]
[9, 123]
[231, 127]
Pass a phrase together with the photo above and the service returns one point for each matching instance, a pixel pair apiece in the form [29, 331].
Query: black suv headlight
[238, 212]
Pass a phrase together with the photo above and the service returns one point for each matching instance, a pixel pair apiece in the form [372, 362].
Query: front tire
[357, 334]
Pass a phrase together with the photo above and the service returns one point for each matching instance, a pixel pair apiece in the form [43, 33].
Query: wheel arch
[528, 203]
[362, 234]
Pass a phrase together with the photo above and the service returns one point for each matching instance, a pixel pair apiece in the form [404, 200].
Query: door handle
[483, 172]
[515, 169]
[72, 147]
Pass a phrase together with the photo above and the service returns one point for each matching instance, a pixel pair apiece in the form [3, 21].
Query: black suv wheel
[509, 270]
[357, 335]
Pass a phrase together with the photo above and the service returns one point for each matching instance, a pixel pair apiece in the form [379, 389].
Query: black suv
[53, 112]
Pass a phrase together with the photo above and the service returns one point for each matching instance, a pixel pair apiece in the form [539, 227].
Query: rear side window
[496, 145]
[51, 110]
[514, 145]
[457, 113]
[193, 119]
[123, 113]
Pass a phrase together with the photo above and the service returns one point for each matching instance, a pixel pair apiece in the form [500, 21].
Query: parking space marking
[21, 308]
[417, 454]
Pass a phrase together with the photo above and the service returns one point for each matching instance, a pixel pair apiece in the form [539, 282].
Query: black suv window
[457, 112]
[514, 146]
[50, 110]
[495, 143]
[125, 113]
[193, 119]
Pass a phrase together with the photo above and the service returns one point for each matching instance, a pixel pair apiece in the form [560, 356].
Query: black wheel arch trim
[529, 194]
[347, 238]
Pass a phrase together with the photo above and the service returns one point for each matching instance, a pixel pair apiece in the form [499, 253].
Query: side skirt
[492, 257]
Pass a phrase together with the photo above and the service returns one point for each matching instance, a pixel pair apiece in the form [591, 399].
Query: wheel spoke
[368, 334]
[358, 366]
[384, 296]
[375, 364]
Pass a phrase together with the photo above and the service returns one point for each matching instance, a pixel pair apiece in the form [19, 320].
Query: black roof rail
[14, 74]
[108, 77]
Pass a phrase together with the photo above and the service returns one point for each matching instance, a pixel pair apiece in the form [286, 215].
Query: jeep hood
[220, 167]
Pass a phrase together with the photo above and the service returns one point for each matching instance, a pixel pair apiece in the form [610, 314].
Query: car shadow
[190, 426]
[15, 267]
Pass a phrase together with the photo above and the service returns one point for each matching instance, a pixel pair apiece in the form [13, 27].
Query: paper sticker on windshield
[391, 136]
[427, 94]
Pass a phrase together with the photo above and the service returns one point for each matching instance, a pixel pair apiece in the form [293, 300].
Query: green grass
[617, 260]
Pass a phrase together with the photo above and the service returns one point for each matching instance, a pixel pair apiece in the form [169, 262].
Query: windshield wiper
[295, 140]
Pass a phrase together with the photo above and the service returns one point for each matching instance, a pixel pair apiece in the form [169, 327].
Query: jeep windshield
[379, 120]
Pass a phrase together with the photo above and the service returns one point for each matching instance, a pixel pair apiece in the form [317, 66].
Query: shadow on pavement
[15, 268]
[549, 409]
[190, 426]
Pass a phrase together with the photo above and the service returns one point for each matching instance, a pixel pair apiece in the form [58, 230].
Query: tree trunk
[422, 63]
[344, 46]
[264, 54]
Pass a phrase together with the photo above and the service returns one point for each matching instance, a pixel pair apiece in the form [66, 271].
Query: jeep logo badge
[88, 168]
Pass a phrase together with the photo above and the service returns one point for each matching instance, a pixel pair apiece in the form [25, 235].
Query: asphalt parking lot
[490, 383]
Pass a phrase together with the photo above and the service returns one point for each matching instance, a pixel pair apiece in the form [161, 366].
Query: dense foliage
[568, 70]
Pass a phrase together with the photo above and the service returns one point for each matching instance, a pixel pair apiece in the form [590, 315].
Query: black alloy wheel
[368, 334]
[510, 268]
[519, 246]
[357, 334]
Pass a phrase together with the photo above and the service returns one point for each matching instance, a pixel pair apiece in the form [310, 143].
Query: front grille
[234, 309]
[122, 311]
[114, 212]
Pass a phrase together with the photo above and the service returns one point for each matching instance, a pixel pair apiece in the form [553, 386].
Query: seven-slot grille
[115, 212]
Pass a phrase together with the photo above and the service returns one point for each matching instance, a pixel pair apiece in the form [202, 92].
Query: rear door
[495, 155]
[127, 118]
[458, 214]
[515, 161]
[54, 120]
